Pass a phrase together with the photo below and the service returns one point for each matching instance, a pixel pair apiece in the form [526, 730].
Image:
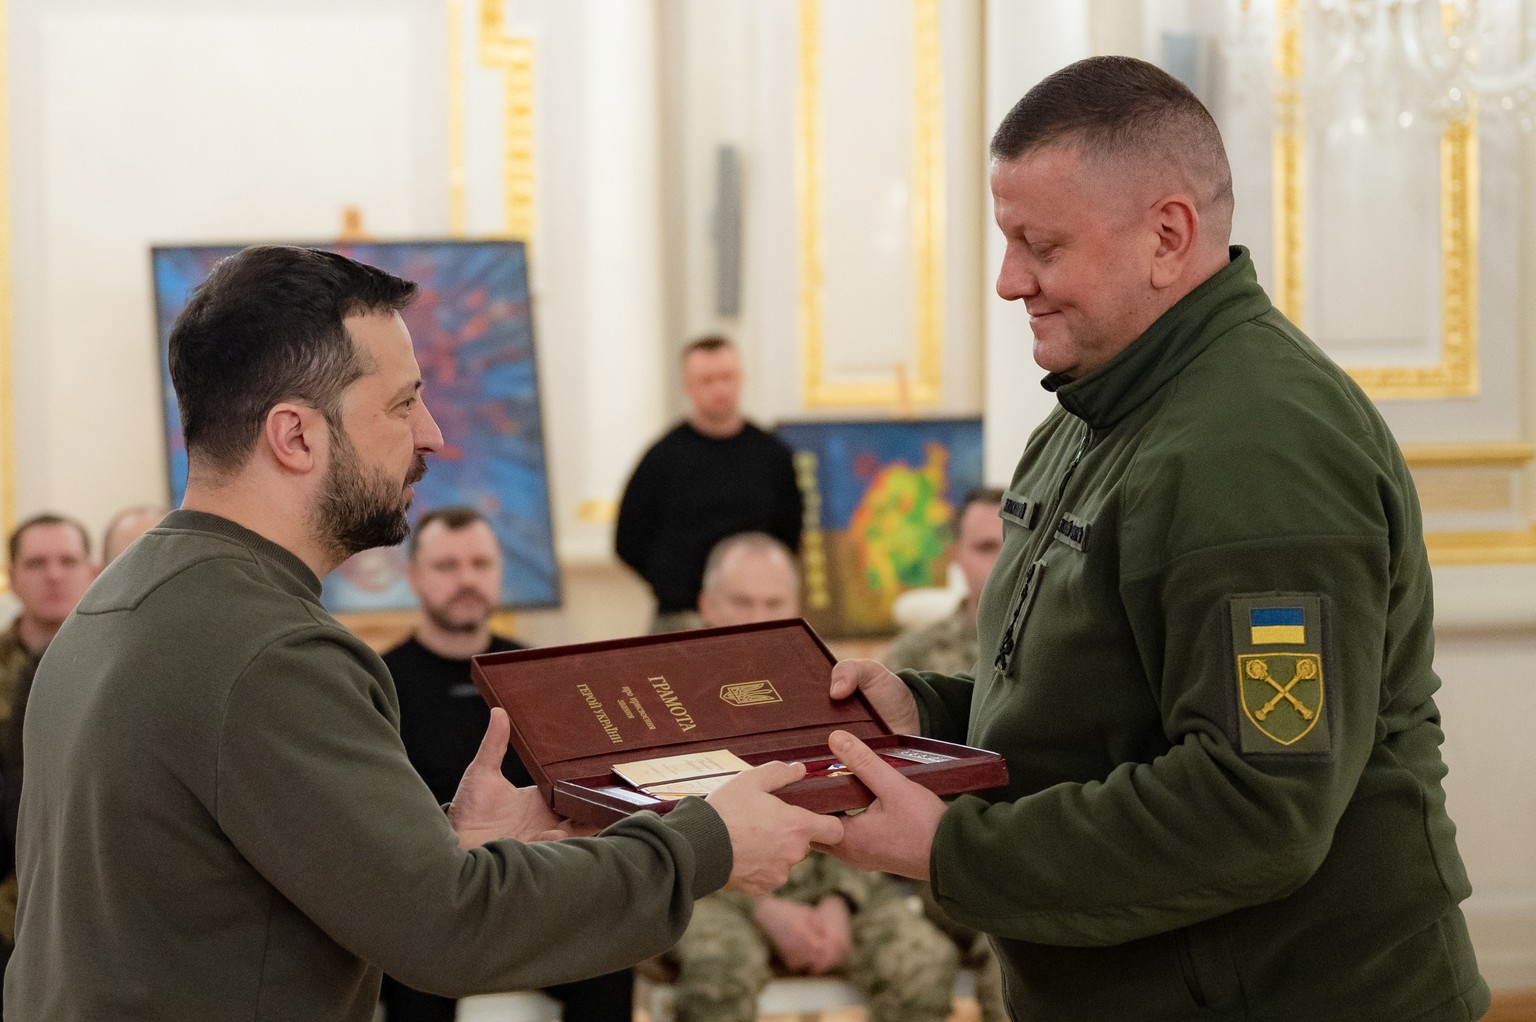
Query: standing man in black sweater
[713, 475]
[454, 567]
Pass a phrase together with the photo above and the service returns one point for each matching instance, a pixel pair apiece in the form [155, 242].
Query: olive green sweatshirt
[219, 820]
[1206, 655]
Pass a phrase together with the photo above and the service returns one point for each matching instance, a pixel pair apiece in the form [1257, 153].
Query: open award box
[610, 728]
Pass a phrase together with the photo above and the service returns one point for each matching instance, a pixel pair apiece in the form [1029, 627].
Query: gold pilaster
[513, 55]
[457, 173]
[808, 194]
[1289, 162]
[928, 199]
[928, 222]
[7, 372]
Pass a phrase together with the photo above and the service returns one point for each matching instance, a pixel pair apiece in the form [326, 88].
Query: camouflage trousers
[902, 963]
[976, 954]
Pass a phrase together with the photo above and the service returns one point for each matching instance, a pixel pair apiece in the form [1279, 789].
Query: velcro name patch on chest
[1019, 509]
[1277, 642]
[1073, 531]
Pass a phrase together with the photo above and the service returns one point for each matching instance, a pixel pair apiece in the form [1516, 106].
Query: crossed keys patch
[1282, 693]
[1277, 642]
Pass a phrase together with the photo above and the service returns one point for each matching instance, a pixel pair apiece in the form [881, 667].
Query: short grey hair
[1123, 112]
[752, 542]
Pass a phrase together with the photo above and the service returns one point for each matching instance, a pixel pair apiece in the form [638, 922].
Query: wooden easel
[352, 230]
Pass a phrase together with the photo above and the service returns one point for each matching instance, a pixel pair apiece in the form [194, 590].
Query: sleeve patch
[1277, 640]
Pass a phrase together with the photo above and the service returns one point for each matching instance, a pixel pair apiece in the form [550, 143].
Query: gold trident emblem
[1258, 670]
[750, 693]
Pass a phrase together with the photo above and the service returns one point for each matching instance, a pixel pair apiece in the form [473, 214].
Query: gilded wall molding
[1289, 153]
[1456, 372]
[598, 511]
[1507, 546]
[928, 222]
[458, 178]
[512, 55]
[1473, 547]
[7, 373]
[1490, 454]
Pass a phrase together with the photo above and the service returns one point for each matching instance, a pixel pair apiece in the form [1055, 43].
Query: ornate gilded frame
[819, 390]
[1456, 373]
[513, 55]
[7, 377]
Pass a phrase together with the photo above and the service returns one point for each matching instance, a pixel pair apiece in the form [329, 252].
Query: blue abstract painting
[473, 331]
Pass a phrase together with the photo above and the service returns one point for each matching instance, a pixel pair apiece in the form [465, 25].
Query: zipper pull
[1005, 648]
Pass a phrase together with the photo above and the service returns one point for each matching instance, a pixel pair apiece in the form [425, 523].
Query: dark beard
[356, 513]
[450, 625]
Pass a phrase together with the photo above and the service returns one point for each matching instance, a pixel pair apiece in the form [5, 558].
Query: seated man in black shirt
[455, 570]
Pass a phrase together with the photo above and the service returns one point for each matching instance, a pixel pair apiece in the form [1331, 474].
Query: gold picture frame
[1456, 372]
[925, 387]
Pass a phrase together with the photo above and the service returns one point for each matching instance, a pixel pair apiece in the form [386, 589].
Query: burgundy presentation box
[759, 691]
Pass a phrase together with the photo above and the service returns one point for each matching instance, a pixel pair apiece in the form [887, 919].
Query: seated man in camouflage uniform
[829, 917]
[948, 646]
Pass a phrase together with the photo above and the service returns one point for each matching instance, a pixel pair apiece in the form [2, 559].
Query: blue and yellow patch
[1277, 640]
[1272, 625]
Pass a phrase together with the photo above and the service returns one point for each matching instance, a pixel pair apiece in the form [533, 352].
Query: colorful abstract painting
[473, 333]
[878, 501]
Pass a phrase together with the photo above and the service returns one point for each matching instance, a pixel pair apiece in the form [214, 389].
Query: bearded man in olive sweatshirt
[219, 820]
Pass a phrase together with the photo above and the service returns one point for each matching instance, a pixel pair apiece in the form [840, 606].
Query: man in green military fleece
[219, 820]
[1206, 645]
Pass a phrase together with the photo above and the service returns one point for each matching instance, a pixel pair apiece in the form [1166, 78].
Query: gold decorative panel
[7, 376]
[1464, 491]
[1493, 454]
[513, 56]
[927, 217]
[1455, 374]
[1473, 478]
[1508, 546]
[458, 177]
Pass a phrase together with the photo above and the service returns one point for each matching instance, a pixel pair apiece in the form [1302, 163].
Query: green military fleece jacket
[219, 821]
[1206, 656]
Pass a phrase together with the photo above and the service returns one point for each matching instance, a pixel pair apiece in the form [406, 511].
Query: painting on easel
[878, 501]
[473, 332]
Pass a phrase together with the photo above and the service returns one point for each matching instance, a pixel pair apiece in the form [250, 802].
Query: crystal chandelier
[1384, 64]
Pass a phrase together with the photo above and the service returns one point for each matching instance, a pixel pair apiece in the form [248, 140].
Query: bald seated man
[829, 917]
[128, 525]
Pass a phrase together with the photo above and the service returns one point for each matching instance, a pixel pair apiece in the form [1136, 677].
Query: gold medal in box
[675, 777]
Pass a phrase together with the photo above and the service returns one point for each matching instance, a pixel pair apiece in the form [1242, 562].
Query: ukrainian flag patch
[1279, 683]
[1268, 626]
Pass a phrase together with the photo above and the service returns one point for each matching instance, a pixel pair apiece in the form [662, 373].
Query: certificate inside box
[675, 777]
[757, 692]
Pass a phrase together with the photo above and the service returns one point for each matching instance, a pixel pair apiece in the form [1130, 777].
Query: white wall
[183, 123]
[1025, 41]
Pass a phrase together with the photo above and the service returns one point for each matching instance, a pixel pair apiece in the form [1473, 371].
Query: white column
[1026, 40]
[623, 350]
